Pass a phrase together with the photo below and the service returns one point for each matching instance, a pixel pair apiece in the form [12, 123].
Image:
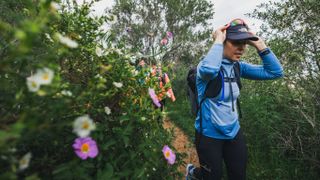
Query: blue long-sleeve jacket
[218, 119]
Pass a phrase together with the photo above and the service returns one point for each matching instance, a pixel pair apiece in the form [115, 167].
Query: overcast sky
[225, 10]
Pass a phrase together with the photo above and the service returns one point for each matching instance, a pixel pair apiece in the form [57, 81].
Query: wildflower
[168, 154]
[164, 41]
[66, 93]
[142, 63]
[45, 75]
[107, 110]
[25, 161]
[85, 147]
[154, 97]
[99, 51]
[33, 83]
[67, 41]
[169, 34]
[134, 72]
[133, 59]
[83, 125]
[118, 84]
[48, 37]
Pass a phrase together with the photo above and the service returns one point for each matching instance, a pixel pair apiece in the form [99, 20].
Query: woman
[218, 134]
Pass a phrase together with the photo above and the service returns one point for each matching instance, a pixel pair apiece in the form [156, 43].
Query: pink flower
[168, 154]
[169, 34]
[154, 97]
[142, 63]
[85, 147]
[164, 41]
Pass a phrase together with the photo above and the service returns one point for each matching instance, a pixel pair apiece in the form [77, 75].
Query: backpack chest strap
[227, 79]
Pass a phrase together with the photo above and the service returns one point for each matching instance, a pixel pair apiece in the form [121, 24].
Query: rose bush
[74, 105]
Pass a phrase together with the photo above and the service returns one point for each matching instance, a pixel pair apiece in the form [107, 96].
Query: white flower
[99, 51]
[67, 41]
[24, 161]
[48, 37]
[45, 75]
[33, 83]
[118, 84]
[66, 93]
[133, 59]
[83, 125]
[291, 86]
[134, 72]
[107, 110]
[55, 6]
[98, 76]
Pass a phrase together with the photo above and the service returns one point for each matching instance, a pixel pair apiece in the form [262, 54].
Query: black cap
[240, 32]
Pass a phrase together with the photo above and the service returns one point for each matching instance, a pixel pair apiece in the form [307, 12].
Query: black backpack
[212, 89]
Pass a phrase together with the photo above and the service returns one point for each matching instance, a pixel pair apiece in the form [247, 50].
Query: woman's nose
[241, 46]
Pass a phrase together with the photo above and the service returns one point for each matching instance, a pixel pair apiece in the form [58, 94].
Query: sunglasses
[236, 22]
[239, 43]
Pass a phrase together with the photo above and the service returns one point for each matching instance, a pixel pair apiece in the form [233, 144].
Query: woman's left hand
[259, 45]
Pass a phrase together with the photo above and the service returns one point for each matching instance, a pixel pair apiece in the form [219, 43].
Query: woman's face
[233, 50]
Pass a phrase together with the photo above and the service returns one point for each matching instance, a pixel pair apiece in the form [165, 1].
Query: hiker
[218, 135]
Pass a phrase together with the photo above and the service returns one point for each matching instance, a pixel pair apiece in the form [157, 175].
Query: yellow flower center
[85, 147]
[167, 154]
[45, 76]
[33, 84]
[23, 161]
[85, 125]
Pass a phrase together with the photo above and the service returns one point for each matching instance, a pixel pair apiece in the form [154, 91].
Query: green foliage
[67, 41]
[294, 38]
[143, 24]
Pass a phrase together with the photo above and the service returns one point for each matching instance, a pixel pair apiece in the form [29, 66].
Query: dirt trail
[182, 144]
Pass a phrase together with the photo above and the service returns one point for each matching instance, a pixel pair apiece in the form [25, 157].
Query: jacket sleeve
[270, 68]
[209, 66]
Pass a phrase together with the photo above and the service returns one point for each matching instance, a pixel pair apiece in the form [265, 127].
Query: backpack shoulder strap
[237, 71]
[213, 87]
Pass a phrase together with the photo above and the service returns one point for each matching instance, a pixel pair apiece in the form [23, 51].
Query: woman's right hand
[219, 35]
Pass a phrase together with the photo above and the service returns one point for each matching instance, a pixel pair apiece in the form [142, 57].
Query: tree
[144, 26]
[294, 29]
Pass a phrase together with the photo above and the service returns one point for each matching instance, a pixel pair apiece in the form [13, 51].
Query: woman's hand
[259, 45]
[219, 35]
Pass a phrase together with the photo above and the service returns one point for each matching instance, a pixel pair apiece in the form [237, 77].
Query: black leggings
[212, 151]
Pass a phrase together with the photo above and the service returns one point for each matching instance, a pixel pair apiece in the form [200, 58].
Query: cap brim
[242, 36]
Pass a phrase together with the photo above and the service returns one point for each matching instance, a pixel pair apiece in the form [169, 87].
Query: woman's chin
[236, 59]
